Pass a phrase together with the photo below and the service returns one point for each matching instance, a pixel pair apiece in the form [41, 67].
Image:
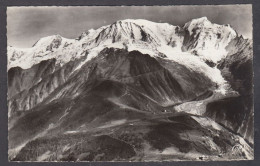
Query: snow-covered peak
[199, 20]
[197, 23]
[89, 33]
[203, 24]
[46, 48]
[52, 42]
[145, 23]
[137, 31]
[208, 40]
[47, 40]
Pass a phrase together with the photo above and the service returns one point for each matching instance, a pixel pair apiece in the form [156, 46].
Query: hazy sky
[26, 25]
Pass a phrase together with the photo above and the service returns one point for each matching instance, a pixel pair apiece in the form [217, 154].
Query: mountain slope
[237, 113]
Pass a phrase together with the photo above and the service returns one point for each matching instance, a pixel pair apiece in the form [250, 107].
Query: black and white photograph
[130, 83]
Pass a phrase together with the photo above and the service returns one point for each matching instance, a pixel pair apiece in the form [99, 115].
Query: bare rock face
[20, 80]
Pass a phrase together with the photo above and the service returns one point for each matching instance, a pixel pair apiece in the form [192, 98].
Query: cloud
[25, 25]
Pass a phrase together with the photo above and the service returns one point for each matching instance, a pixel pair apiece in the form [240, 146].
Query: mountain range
[134, 90]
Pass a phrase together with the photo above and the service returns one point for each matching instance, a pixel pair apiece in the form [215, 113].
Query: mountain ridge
[157, 31]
